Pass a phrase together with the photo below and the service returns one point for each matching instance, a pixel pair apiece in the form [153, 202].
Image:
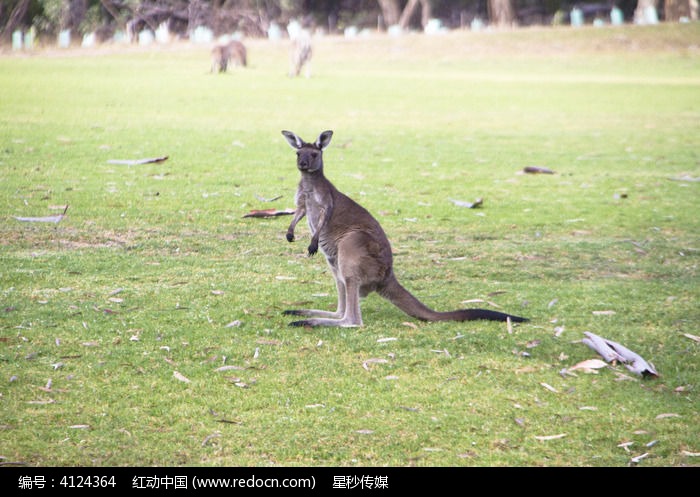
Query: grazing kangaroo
[221, 55]
[356, 248]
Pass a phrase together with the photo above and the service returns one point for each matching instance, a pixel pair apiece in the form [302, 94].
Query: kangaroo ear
[324, 139]
[295, 142]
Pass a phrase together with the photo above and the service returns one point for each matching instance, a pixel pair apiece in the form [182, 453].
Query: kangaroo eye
[314, 155]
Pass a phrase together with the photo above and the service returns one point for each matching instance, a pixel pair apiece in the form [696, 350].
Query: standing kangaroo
[300, 55]
[356, 248]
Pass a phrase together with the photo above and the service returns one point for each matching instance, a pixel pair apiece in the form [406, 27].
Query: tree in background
[501, 13]
[395, 16]
[254, 17]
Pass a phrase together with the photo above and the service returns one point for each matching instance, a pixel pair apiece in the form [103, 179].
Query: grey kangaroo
[221, 55]
[356, 248]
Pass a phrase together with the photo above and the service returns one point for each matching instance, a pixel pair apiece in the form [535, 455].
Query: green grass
[152, 263]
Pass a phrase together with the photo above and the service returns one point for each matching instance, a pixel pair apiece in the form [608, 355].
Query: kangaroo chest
[318, 204]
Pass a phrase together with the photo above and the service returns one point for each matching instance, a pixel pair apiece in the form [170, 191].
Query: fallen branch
[264, 213]
[614, 352]
[137, 162]
[469, 205]
[537, 170]
[46, 219]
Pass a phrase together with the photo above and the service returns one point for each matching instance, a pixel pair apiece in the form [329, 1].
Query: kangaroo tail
[404, 300]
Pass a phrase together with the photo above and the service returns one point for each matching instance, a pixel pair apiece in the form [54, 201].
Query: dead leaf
[209, 437]
[603, 313]
[365, 364]
[589, 365]
[181, 377]
[686, 177]
[639, 457]
[668, 415]
[263, 199]
[364, 432]
[690, 454]
[229, 368]
[692, 337]
[526, 369]
[388, 339]
[626, 445]
[549, 387]
[230, 421]
[410, 325]
[551, 437]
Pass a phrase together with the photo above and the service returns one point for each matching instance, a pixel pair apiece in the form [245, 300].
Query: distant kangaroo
[221, 55]
[356, 248]
[300, 55]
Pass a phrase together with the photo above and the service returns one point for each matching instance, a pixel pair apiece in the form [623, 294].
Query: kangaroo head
[309, 155]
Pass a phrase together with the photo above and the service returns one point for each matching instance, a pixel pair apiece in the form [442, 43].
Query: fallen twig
[138, 162]
[264, 213]
[46, 219]
[537, 170]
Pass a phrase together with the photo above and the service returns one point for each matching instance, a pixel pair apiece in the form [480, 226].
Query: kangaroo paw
[292, 312]
[290, 237]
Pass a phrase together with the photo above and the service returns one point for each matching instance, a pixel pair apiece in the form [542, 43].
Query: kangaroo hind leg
[348, 313]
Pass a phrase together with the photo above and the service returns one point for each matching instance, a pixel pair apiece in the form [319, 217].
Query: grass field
[146, 328]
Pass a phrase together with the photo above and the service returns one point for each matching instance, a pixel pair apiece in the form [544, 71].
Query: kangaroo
[300, 55]
[221, 55]
[356, 248]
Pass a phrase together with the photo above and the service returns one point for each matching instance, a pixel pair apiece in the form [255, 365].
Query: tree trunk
[15, 17]
[675, 9]
[390, 11]
[410, 8]
[501, 13]
[72, 14]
